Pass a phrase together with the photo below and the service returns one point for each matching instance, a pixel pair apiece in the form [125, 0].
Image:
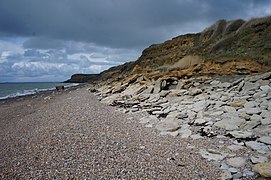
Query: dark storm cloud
[112, 23]
[45, 40]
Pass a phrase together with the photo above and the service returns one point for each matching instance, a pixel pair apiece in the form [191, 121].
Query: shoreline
[39, 93]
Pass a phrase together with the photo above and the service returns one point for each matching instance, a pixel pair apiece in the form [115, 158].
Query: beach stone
[238, 143]
[157, 86]
[237, 103]
[215, 82]
[149, 90]
[241, 134]
[252, 110]
[215, 96]
[264, 76]
[168, 124]
[194, 91]
[201, 121]
[241, 83]
[251, 124]
[158, 112]
[265, 139]
[196, 136]
[150, 119]
[216, 113]
[264, 169]
[225, 85]
[260, 147]
[226, 175]
[230, 124]
[236, 162]
[200, 105]
[248, 86]
[224, 166]
[110, 99]
[229, 109]
[255, 117]
[233, 170]
[250, 104]
[234, 147]
[182, 115]
[265, 88]
[164, 93]
[212, 155]
[174, 133]
[180, 85]
[247, 173]
[266, 121]
[163, 84]
[237, 175]
[185, 131]
[258, 159]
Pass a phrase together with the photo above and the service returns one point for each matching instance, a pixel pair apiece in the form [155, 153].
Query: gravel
[72, 135]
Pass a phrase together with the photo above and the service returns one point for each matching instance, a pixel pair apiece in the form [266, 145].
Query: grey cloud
[43, 43]
[111, 23]
[44, 39]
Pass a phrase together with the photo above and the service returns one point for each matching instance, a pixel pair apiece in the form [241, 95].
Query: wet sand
[71, 134]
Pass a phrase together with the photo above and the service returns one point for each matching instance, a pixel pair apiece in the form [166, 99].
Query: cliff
[226, 47]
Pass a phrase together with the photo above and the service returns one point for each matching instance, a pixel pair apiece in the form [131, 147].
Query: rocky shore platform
[222, 121]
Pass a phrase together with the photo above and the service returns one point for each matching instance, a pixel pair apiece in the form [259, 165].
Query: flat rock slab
[260, 147]
[168, 125]
[251, 111]
[236, 162]
[235, 147]
[265, 139]
[149, 120]
[230, 123]
[241, 134]
[258, 159]
[212, 155]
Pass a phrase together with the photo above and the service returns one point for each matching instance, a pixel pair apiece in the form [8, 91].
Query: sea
[10, 90]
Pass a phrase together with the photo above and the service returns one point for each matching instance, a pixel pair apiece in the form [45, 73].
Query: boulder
[211, 154]
[264, 169]
[236, 162]
[59, 88]
[194, 91]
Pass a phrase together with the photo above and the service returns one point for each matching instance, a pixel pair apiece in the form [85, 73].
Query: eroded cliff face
[226, 47]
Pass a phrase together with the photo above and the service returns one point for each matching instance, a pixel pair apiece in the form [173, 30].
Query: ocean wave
[34, 91]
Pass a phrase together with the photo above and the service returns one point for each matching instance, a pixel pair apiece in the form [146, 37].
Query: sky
[49, 40]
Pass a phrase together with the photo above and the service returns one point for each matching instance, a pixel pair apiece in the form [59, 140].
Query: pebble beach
[71, 134]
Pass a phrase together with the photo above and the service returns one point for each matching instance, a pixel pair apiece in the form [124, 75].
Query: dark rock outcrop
[241, 46]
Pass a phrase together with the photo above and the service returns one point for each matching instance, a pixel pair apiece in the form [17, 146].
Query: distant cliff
[226, 47]
[83, 78]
